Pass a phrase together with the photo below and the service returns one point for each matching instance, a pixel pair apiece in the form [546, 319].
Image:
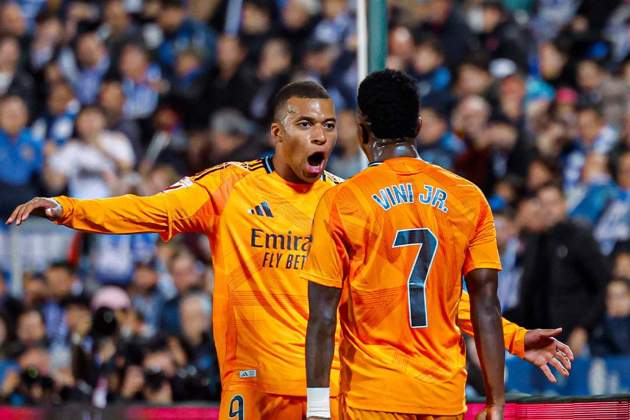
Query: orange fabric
[398, 231]
[260, 303]
[259, 229]
[513, 334]
[350, 413]
[252, 404]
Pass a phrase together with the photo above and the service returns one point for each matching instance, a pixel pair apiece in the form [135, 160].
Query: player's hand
[491, 412]
[38, 206]
[542, 350]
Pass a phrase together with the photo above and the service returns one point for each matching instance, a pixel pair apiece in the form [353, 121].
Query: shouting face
[304, 133]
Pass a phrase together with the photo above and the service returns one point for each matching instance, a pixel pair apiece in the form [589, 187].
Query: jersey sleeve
[482, 251]
[328, 257]
[513, 334]
[190, 205]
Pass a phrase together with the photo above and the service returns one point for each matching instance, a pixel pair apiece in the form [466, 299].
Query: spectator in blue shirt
[86, 67]
[30, 10]
[510, 249]
[60, 280]
[146, 296]
[614, 224]
[118, 29]
[21, 156]
[188, 88]
[187, 278]
[593, 194]
[181, 32]
[56, 125]
[437, 144]
[612, 336]
[594, 135]
[337, 24]
[432, 76]
[140, 82]
[47, 41]
[115, 256]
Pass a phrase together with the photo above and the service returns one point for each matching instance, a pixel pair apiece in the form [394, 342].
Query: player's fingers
[564, 349]
[551, 332]
[20, 212]
[545, 369]
[26, 211]
[13, 215]
[556, 363]
[564, 359]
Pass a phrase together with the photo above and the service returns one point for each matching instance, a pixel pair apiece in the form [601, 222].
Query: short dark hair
[300, 89]
[91, 108]
[590, 106]
[432, 43]
[171, 4]
[62, 265]
[621, 247]
[390, 101]
[478, 59]
[613, 166]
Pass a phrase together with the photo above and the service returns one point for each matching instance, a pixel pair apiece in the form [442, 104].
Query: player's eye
[329, 126]
[304, 124]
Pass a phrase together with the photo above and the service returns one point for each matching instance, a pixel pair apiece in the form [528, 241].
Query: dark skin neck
[379, 149]
[382, 151]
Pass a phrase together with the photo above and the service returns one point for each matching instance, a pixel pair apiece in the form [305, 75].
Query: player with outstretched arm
[258, 217]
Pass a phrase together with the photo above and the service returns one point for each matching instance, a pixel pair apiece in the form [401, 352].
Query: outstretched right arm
[182, 209]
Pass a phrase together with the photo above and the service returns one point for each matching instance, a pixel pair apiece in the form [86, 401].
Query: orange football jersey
[259, 227]
[397, 238]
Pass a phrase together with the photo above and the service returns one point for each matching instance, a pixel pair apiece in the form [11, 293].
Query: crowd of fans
[528, 99]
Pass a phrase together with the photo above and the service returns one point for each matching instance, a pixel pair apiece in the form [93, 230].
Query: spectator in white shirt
[92, 165]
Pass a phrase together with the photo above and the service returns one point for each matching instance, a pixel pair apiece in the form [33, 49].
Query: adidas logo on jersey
[261, 210]
[250, 373]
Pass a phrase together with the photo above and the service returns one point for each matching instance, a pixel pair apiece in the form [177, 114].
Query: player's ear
[418, 124]
[276, 132]
[363, 133]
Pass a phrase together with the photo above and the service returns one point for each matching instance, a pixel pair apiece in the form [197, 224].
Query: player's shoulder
[451, 180]
[227, 169]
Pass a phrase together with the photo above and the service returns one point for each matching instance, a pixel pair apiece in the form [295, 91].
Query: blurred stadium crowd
[528, 99]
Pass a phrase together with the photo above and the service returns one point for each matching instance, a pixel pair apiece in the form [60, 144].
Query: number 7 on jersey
[416, 283]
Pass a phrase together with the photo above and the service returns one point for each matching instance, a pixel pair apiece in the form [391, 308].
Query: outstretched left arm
[539, 347]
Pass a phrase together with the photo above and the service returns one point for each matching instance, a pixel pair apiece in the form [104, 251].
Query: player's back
[408, 227]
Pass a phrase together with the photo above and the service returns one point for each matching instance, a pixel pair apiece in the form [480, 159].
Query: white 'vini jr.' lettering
[395, 195]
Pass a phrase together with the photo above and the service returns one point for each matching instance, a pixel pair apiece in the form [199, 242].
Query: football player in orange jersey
[390, 248]
[258, 216]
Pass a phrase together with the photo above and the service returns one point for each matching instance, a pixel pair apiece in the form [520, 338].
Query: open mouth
[315, 163]
[316, 159]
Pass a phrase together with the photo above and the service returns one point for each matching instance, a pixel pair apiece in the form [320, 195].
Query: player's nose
[319, 135]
